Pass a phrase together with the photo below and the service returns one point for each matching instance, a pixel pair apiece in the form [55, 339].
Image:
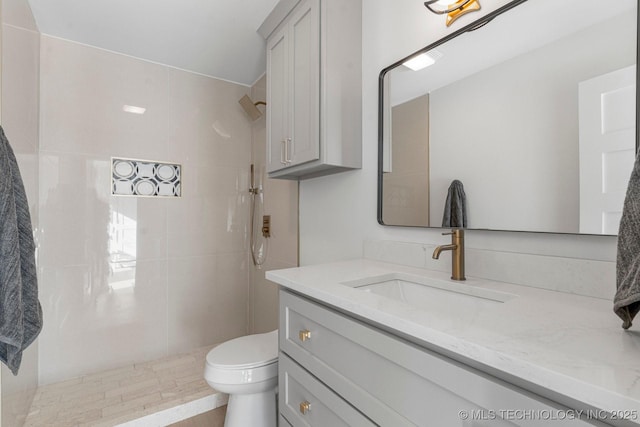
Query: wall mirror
[533, 111]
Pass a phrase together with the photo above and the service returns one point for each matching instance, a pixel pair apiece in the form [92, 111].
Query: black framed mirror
[531, 110]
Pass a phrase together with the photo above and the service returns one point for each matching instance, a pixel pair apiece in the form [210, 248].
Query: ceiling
[216, 38]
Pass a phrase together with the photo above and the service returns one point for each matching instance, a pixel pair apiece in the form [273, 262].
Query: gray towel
[20, 311]
[455, 208]
[626, 303]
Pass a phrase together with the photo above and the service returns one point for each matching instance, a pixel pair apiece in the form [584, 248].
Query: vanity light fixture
[452, 10]
[423, 60]
[133, 109]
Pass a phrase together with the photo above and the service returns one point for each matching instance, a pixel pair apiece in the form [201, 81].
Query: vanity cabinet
[332, 365]
[314, 95]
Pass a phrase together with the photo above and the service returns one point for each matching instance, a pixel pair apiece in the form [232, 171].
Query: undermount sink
[429, 293]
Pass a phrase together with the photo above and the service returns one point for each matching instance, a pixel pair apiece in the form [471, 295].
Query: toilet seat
[245, 352]
[248, 359]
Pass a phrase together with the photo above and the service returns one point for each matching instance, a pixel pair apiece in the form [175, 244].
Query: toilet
[246, 368]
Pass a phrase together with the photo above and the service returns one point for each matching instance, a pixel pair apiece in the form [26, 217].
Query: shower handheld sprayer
[258, 252]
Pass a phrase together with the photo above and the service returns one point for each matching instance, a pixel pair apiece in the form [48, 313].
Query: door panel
[305, 90]
[607, 148]
[277, 91]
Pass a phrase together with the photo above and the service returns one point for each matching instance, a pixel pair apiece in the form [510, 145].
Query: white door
[607, 148]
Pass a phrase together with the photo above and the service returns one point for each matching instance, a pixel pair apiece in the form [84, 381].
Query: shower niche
[314, 95]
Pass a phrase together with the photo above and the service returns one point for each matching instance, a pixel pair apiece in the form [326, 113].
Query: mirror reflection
[527, 123]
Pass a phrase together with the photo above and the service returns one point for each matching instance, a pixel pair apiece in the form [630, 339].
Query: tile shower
[125, 279]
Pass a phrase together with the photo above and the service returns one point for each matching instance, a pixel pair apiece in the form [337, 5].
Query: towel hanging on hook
[20, 311]
[455, 207]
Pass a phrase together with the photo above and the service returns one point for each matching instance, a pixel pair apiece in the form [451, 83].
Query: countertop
[569, 344]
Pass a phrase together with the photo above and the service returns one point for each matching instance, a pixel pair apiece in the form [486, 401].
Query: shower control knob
[304, 335]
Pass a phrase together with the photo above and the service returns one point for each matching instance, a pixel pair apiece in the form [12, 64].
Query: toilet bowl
[246, 368]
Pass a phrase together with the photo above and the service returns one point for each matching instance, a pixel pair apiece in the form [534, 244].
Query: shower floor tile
[153, 393]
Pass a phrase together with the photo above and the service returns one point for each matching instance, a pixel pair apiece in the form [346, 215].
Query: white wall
[337, 213]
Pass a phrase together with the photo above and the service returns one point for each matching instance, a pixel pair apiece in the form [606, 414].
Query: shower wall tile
[281, 202]
[231, 190]
[264, 295]
[214, 308]
[101, 316]
[214, 218]
[207, 110]
[191, 302]
[20, 97]
[215, 151]
[150, 230]
[20, 74]
[18, 13]
[28, 164]
[74, 209]
[95, 85]
[232, 287]
[129, 279]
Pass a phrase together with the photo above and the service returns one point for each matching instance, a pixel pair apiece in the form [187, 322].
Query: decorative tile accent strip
[144, 178]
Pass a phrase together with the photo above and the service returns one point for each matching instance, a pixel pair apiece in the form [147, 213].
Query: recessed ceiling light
[133, 109]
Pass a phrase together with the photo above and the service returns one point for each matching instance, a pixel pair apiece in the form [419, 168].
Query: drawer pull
[305, 407]
[304, 335]
[287, 153]
[283, 152]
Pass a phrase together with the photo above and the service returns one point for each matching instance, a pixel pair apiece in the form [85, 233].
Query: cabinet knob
[304, 335]
[305, 407]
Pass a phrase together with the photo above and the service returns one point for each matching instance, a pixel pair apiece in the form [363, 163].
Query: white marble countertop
[570, 344]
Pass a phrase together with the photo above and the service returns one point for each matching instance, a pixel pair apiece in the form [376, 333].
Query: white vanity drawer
[396, 383]
[305, 401]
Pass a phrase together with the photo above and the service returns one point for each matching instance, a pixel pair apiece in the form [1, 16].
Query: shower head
[251, 108]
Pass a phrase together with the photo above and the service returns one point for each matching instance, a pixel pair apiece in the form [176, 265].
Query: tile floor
[153, 393]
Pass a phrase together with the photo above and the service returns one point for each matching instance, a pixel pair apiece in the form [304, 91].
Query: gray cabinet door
[293, 89]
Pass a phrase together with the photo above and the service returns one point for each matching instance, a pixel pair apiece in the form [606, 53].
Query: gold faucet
[457, 253]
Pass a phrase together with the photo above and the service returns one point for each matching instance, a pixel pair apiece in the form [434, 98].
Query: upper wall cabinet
[314, 87]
